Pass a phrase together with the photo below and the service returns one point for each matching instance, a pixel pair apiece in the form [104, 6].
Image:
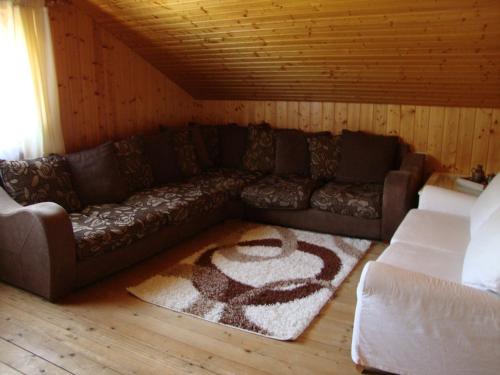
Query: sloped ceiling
[444, 52]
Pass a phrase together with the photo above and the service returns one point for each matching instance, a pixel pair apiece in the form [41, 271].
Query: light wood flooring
[102, 329]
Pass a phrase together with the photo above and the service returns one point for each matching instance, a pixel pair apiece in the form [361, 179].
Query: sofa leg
[360, 369]
[371, 371]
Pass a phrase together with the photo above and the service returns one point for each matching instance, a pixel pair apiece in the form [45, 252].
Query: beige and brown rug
[263, 279]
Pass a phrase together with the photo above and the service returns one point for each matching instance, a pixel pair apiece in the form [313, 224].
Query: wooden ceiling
[444, 52]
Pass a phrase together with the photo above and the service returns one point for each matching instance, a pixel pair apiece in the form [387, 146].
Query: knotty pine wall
[106, 90]
[454, 138]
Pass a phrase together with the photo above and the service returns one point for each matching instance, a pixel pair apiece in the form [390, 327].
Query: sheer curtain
[29, 104]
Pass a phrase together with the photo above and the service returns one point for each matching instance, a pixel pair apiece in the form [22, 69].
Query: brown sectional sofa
[124, 205]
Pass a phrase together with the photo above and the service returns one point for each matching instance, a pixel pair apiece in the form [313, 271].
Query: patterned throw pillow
[133, 164]
[45, 179]
[324, 149]
[260, 153]
[185, 152]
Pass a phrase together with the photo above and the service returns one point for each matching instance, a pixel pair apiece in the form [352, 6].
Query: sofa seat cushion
[227, 180]
[108, 227]
[439, 263]
[179, 201]
[290, 192]
[356, 199]
[434, 229]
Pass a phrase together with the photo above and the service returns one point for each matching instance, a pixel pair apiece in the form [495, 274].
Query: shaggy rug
[264, 279]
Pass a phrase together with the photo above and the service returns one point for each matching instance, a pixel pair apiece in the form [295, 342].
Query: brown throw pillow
[159, 152]
[133, 164]
[45, 179]
[324, 149]
[260, 152]
[96, 176]
[292, 153]
[366, 157]
[233, 144]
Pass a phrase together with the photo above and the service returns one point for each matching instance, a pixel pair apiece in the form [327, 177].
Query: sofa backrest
[481, 267]
[485, 205]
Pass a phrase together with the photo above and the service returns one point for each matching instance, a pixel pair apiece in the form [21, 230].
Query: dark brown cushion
[45, 179]
[259, 155]
[366, 157]
[211, 137]
[185, 152]
[159, 152]
[324, 149]
[96, 176]
[206, 142]
[292, 153]
[233, 144]
[133, 164]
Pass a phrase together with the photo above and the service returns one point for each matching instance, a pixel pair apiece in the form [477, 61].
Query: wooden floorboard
[22, 361]
[102, 329]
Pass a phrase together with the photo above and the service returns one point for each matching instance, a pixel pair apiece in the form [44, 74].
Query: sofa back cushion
[185, 151]
[259, 155]
[206, 143]
[485, 205]
[233, 144]
[324, 150]
[482, 259]
[46, 179]
[133, 164]
[159, 152]
[366, 157]
[292, 153]
[96, 176]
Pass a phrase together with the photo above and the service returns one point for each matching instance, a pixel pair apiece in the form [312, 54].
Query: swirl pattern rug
[263, 279]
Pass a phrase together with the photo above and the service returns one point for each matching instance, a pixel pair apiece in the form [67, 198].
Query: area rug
[263, 279]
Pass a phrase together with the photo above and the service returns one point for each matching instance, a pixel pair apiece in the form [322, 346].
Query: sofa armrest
[37, 247]
[414, 163]
[435, 198]
[408, 322]
[400, 193]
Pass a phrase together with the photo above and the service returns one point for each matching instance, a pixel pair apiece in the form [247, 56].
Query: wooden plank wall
[454, 138]
[107, 91]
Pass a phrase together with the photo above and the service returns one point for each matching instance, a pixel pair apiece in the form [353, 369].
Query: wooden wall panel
[456, 139]
[107, 91]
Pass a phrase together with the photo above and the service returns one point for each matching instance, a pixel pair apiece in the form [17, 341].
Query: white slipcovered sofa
[430, 304]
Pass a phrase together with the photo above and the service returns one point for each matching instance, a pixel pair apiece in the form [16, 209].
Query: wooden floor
[104, 330]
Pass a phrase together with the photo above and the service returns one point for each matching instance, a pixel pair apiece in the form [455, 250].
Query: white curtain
[29, 104]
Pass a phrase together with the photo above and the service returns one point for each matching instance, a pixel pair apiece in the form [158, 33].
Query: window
[29, 109]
